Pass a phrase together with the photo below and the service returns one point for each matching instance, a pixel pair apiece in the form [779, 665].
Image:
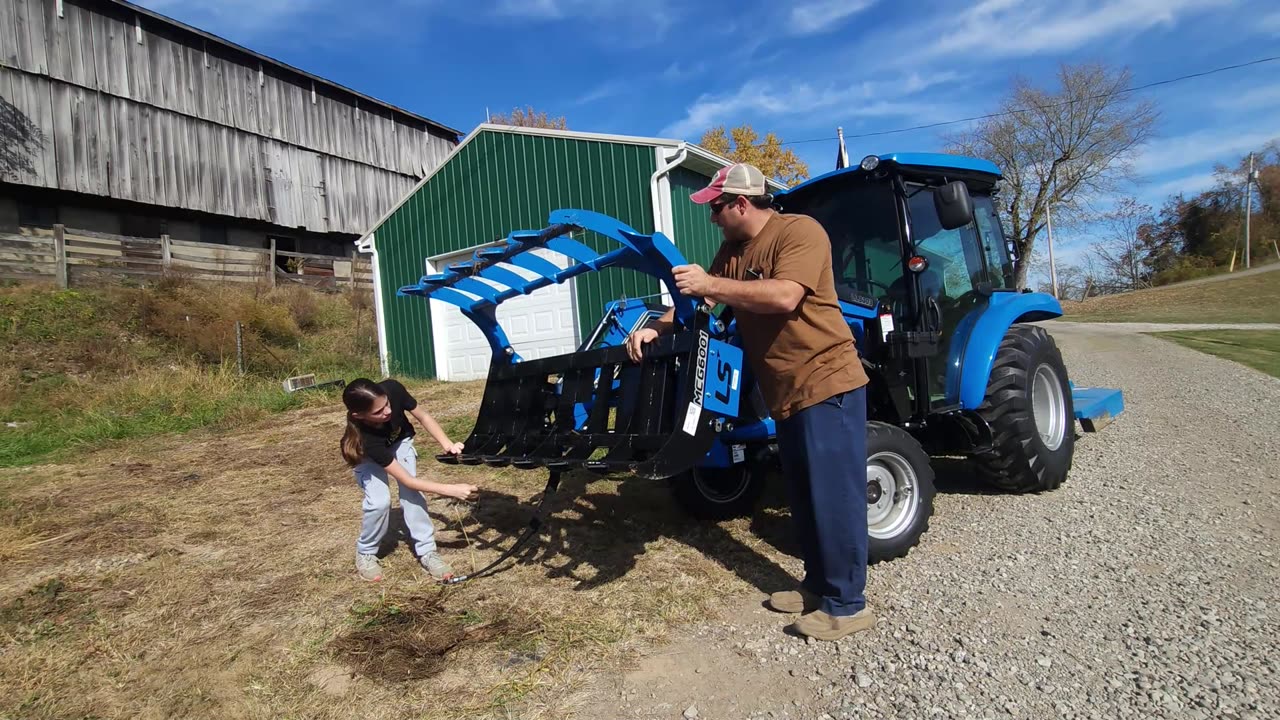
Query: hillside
[83, 367]
[1249, 299]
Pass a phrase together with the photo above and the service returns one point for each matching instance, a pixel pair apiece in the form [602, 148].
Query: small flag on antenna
[842, 157]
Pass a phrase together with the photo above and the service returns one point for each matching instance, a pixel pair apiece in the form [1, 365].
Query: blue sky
[672, 68]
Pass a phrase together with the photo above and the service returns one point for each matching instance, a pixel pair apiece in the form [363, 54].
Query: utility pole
[1248, 209]
[1048, 221]
[1053, 269]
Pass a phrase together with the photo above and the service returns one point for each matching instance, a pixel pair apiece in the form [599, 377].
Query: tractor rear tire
[721, 493]
[899, 473]
[1028, 406]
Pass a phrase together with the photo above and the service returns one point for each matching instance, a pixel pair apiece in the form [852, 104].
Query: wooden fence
[72, 258]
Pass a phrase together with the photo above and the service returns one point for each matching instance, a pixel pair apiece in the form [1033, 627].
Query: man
[774, 270]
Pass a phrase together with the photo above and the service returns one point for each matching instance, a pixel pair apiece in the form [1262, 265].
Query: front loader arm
[593, 409]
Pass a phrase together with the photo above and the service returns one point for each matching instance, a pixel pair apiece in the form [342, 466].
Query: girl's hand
[460, 491]
[454, 448]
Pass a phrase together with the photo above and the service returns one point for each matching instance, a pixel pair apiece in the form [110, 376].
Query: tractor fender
[987, 331]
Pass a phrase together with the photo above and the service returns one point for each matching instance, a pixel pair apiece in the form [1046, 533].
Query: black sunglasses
[718, 205]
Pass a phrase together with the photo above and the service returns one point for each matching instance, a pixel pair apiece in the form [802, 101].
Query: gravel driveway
[1145, 587]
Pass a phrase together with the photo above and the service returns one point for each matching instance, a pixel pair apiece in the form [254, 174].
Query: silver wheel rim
[716, 494]
[1048, 406]
[899, 495]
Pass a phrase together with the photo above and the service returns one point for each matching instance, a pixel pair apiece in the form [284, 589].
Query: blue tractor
[924, 274]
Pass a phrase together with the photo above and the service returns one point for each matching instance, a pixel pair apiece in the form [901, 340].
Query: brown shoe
[821, 626]
[794, 601]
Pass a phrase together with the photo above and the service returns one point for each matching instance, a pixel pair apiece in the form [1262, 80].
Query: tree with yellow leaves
[742, 144]
[528, 117]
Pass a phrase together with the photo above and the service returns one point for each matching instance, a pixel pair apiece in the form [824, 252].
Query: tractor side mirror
[954, 206]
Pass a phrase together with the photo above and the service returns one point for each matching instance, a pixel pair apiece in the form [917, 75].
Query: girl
[378, 444]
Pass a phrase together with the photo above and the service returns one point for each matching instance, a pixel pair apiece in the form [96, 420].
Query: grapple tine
[650, 418]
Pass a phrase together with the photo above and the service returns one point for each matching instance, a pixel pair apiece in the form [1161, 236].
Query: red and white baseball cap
[736, 179]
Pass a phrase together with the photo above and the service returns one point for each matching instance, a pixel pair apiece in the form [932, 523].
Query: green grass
[138, 407]
[1251, 299]
[1258, 349]
[83, 368]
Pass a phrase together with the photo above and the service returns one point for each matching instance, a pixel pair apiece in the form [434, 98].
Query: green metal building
[503, 178]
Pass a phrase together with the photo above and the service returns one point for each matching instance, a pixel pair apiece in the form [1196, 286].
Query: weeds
[84, 367]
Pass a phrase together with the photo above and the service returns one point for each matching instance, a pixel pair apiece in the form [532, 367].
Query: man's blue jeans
[824, 455]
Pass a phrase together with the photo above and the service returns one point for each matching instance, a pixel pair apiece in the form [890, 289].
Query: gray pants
[373, 480]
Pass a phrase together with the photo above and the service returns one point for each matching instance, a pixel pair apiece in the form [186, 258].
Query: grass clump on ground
[84, 367]
[1258, 349]
[1249, 299]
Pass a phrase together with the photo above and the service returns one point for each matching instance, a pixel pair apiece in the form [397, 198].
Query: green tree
[742, 144]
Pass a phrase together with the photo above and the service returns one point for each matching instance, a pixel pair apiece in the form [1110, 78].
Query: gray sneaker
[368, 568]
[436, 565]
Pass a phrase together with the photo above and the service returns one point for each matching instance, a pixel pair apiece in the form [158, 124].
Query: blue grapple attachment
[592, 409]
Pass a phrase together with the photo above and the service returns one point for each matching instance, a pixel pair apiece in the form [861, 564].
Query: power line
[1015, 111]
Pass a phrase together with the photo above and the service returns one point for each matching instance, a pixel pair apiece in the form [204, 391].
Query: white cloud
[1154, 195]
[1270, 23]
[1259, 98]
[604, 91]
[843, 101]
[239, 17]
[677, 71]
[1201, 148]
[819, 16]
[534, 8]
[625, 22]
[1008, 28]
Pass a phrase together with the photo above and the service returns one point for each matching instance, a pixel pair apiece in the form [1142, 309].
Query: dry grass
[80, 368]
[1250, 299]
[210, 574]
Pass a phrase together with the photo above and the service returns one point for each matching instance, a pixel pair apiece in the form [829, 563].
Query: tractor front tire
[1028, 406]
[899, 492]
[709, 493]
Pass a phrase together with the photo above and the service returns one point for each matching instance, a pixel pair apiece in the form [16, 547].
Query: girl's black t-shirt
[380, 440]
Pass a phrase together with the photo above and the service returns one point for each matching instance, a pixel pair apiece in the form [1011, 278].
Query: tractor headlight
[869, 163]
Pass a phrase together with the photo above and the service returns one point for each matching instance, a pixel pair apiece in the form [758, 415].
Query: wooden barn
[117, 120]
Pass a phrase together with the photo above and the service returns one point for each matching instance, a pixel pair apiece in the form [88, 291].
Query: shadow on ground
[595, 529]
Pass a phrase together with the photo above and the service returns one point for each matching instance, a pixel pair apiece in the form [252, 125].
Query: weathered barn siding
[184, 121]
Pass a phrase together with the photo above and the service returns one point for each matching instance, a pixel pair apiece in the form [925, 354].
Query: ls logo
[721, 392]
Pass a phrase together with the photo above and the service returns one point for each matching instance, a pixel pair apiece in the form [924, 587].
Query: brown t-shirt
[805, 356]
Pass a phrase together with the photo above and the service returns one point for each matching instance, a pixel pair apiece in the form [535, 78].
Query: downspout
[366, 245]
[659, 217]
[682, 151]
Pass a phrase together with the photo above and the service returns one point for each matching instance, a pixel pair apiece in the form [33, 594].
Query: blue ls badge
[724, 373]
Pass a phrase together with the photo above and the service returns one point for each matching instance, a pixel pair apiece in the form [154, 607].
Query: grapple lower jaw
[599, 411]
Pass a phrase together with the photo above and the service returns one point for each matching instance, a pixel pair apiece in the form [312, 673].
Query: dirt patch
[331, 679]
[412, 639]
[42, 608]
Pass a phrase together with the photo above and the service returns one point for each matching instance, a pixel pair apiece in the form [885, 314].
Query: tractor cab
[916, 249]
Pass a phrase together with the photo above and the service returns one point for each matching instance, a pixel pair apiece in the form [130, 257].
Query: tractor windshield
[860, 220]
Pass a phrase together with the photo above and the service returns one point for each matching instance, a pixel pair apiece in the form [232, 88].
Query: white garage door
[538, 325]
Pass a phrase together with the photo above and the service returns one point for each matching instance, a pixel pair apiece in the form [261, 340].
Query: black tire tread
[1012, 465]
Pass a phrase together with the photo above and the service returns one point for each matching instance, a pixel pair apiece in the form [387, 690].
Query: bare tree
[1121, 253]
[1059, 148]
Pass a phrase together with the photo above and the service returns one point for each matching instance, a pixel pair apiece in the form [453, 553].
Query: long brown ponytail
[358, 397]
